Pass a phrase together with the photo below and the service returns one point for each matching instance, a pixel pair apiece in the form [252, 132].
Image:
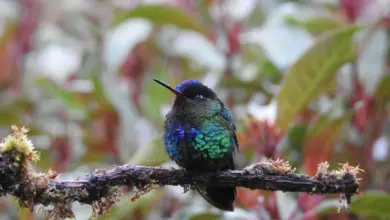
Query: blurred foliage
[318, 25]
[160, 15]
[307, 98]
[70, 100]
[314, 73]
[151, 154]
[383, 92]
[372, 204]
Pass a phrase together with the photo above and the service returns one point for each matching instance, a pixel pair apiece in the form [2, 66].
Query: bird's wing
[175, 141]
[227, 116]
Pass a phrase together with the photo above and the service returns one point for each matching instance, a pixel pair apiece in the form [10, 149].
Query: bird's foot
[217, 173]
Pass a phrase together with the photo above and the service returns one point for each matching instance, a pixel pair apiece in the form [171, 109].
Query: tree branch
[101, 188]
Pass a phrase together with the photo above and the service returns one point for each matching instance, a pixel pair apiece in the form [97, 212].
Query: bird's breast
[198, 142]
[211, 141]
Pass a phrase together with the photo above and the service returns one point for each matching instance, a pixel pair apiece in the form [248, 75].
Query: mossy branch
[101, 188]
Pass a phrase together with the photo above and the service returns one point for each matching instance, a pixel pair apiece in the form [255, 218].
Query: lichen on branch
[101, 189]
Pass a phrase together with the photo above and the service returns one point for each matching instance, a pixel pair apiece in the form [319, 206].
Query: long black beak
[177, 93]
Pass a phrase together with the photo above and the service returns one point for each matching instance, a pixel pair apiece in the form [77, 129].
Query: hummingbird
[199, 135]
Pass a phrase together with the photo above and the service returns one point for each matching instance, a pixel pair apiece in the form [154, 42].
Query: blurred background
[303, 81]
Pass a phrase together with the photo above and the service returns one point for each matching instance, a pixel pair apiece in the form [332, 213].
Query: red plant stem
[374, 130]
[64, 151]
[110, 118]
[352, 9]
[111, 123]
[28, 24]
[24, 34]
[370, 118]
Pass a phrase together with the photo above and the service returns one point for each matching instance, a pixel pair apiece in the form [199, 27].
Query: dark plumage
[199, 135]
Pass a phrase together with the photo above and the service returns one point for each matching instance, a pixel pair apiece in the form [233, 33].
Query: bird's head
[194, 98]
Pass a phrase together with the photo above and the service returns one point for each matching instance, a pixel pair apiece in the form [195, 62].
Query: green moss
[18, 141]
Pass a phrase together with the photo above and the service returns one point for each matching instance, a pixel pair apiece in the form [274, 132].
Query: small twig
[100, 189]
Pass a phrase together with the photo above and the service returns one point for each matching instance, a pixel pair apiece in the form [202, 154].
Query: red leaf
[364, 113]
[213, 36]
[134, 68]
[64, 153]
[386, 21]
[309, 202]
[270, 205]
[317, 149]
[352, 8]
[233, 39]
[7, 43]
[247, 198]
[28, 24]
[262, 135]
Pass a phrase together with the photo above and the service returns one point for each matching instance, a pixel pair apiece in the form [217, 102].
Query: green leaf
[205, 216]
[318, 25]
[70, 100]
[311, 75]
[255, 19]
[327, 206]
[325, 122]
[160, 15]
[24, 213]
[250, 86]
[98, 90]
[270, 71]
[257, 56]
[43, 163]
[382, 92]
[296, 135]
[373, 204]
[155, 95]
[151, 154]
[92, 156]
[333, 119]
[293, 146]
[10, 115]
[13, 113]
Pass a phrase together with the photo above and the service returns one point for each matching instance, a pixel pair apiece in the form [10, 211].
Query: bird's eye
[199, 97]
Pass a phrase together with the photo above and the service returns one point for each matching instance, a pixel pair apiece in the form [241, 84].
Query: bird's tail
[220, 197]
